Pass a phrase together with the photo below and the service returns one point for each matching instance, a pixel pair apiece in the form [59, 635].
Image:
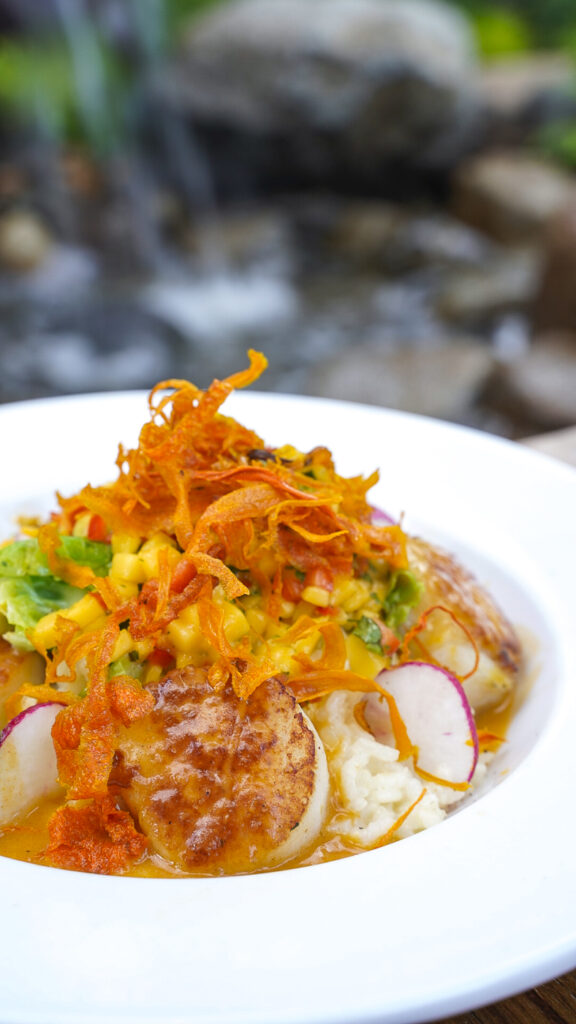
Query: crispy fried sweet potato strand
[193, 476]
[198, 476]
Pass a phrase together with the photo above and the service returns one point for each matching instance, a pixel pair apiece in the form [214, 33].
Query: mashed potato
[374, 787]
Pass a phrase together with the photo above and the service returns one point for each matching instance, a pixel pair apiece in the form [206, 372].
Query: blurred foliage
[515, 26]
[85, 97]
[179, 12]
[558, 141]
[42, 77]
[502, 32]
[40, 84]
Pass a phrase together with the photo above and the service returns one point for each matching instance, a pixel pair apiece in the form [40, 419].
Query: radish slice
[381, 518]
[28, 769]
[437, 717]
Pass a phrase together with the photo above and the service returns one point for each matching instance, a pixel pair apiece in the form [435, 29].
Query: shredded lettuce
[25, 599]
[28, 588]
[24, 557]
[125, 666]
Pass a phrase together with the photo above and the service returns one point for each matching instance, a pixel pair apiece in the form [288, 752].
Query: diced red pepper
[292, 586]
[160, 656]
[97, 529]
[319, 576]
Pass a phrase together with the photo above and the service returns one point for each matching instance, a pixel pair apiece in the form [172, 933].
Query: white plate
[469, 912]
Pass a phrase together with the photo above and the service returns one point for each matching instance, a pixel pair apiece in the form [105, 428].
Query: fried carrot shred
[318, 684]
[66, 569]
[241, 518]
[95, 837]
[389, 835]
[489, 741]
[421, 624]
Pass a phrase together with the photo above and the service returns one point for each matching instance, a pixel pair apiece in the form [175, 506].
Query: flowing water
[137, 272]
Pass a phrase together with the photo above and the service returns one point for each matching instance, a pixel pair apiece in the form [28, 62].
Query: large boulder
[329, 91]
[555, 297]
[510, 195]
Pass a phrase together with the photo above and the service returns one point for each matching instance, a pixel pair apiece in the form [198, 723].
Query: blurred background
[379, 194]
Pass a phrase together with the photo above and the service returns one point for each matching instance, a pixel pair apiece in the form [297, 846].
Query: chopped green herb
[369, 632]
[403, 594]
[125, 666]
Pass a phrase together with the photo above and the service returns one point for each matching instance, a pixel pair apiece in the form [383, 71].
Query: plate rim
[525, 973]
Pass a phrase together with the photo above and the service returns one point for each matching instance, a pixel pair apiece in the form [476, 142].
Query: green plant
[79, 85]
[502, 32]
[558, 141]
[507, 26]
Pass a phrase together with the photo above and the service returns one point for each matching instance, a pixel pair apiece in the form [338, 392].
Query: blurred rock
[555, 298]
[511, 196]
[501, 286]
[527, 94]
[440, 380]
[25, 240]
[396, 240]
[331, 91]
[240, 239]
[95, 346]
[539, 388]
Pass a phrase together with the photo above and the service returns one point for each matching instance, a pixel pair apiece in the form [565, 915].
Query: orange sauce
[28, 839]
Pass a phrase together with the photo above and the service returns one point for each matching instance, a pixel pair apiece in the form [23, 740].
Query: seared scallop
[447, 583]
[220, 785]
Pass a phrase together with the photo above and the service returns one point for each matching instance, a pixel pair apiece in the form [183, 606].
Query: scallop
[447, 583]
[220, 785]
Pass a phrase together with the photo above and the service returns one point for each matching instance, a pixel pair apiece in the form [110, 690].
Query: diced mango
[128, 566]
[151, 558]
[362, 661]
[125, 543]
[84, 611]
[81, 525]
[124, 644]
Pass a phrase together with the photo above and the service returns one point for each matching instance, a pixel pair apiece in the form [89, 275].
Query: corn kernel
[275, 629]
[127, 566]
[288, 451]
[267, 563]
[257, 620]
[307, 644]
[125, 543]
[318, 596]
[235, 623]
[281, 657]
[351, 595]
